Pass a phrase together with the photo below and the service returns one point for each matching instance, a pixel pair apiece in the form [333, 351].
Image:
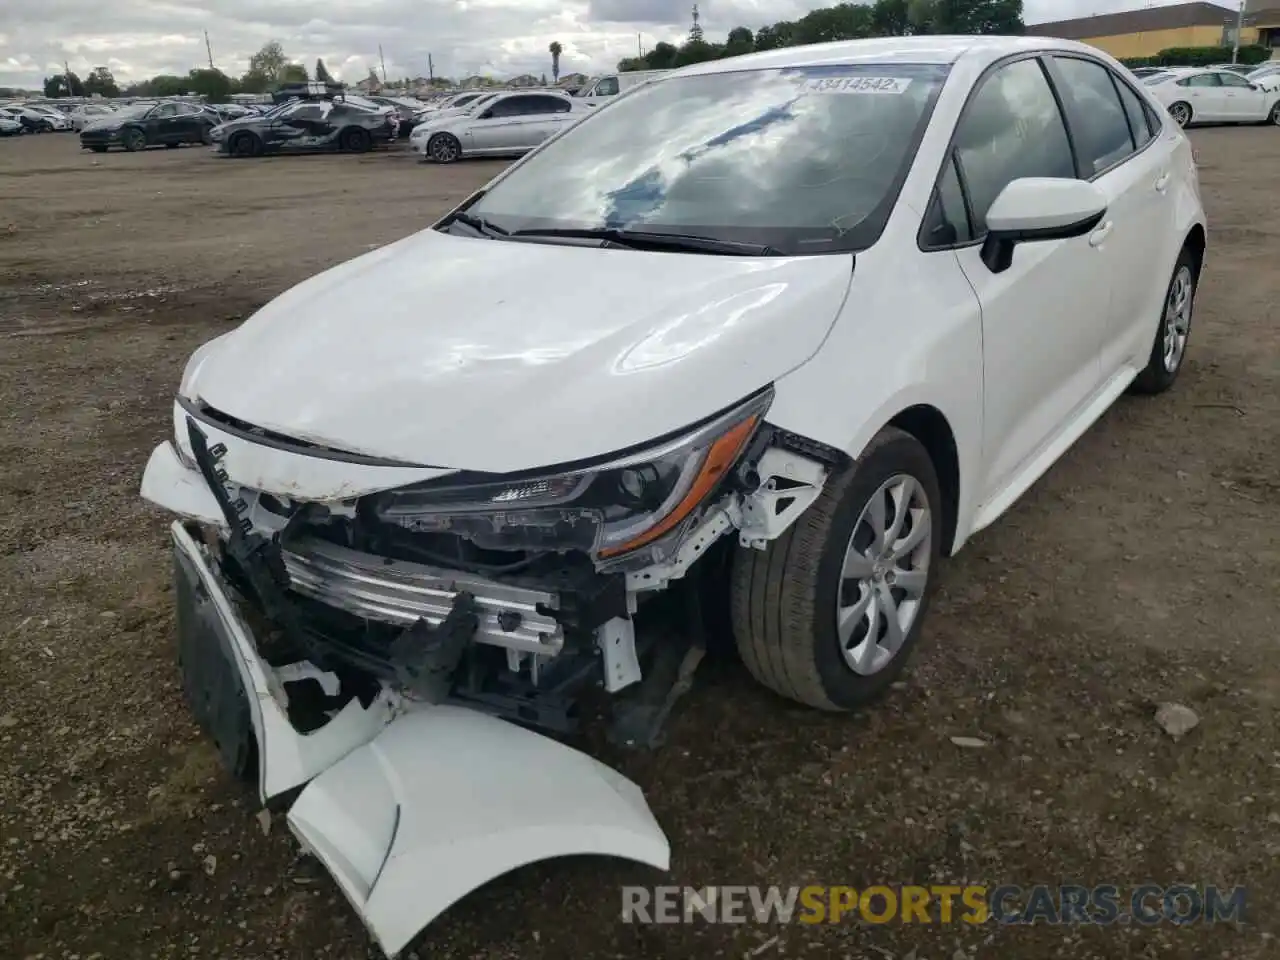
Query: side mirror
[1034, 209]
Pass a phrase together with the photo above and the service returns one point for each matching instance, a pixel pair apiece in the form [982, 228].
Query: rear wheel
[355, 140]
[245, 144]
[1181, 113]
[1170, 346]
[444, 148]
[828, 614]
[1274, 116]
[134, 139]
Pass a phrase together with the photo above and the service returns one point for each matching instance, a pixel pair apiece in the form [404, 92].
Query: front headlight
[642, 500]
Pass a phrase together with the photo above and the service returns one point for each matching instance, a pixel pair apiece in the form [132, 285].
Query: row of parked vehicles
[316, 116]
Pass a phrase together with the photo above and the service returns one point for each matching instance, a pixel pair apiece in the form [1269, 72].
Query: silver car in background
[507, 124]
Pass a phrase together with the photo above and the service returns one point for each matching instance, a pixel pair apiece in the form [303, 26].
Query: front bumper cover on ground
[410, 807]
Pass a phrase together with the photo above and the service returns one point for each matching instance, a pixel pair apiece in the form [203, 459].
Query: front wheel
[828, 613]
[1274, 116]
[1170, 346]
[1181, 113]
[356, 140]
[206, 136]
[244, 144]
[134, 140]
[444, 148]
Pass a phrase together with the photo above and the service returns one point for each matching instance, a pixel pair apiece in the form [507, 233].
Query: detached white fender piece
[411, 807]
[446, 799]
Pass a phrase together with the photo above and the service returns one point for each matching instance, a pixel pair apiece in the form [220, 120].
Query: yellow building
[1145, 32]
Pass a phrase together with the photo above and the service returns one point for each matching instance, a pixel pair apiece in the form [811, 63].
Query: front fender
[446, 799]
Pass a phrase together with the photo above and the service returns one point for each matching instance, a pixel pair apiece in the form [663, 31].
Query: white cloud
[140, 38]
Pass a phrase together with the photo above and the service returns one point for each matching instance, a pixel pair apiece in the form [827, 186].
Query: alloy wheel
[444, 149]
[884, 575]
[1181, 114]
[1177, 318]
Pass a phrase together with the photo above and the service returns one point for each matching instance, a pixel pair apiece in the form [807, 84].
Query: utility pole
[1235, 46]
[208, 49]
[383, 61]
[431, 70]
[67, 76]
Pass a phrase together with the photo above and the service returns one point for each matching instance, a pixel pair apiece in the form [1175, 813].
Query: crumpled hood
[500, 356]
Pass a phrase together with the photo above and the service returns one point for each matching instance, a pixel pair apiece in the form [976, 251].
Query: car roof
[923, 49]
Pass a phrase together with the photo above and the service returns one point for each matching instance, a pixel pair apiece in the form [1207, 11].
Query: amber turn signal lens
[720, 458]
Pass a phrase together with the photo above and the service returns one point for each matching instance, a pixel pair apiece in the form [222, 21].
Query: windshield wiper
[646, 240]
[479, 224]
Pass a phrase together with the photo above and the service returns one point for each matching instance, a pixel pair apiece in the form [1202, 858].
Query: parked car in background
[1266, 76]
[10, 127]
[1240, 68]
[87, 113]
[408, 110]
[457, 101]
[1141, 72]
[59, 122]
[32, 121]
[232, 111]
[307, 126]
[1213, 96]
[603, 89]
[505, 124]
[169, 123]
[428, 500]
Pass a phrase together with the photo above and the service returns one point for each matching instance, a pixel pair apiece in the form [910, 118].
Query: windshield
[806, 160]
[136, 110]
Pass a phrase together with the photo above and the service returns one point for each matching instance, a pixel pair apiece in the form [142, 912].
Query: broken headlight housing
[635, 506]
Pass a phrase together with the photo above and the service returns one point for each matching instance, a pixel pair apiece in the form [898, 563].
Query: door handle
[1098, 236]
[1162, 183]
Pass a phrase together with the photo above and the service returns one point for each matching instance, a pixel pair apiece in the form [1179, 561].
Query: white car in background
[1213, 96]
[1266, 76]
[784, 330]
[58, 121]
[87, 113]
[498, 125]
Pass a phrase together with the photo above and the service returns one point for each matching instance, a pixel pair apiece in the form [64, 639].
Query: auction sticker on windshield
[856, 85]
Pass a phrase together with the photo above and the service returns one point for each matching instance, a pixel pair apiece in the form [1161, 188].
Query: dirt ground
[1143, 568]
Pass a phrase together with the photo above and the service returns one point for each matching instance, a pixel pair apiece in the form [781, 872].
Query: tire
[1169, 349]
[206, 136]
[786, 599]
[355, 140]
[98, 149]
[244, 144]
[1274, 117]
[1181, 113]
[444, 148]
[135, 139]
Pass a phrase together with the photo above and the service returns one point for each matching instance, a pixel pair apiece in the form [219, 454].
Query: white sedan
[87, 113]
[1213, 96]
[784, 330]
[504, 124]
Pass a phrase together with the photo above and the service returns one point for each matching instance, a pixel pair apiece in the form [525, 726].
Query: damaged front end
[387, 636]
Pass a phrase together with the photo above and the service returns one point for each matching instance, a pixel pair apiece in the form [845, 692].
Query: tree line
[268, 69]
[844, 21]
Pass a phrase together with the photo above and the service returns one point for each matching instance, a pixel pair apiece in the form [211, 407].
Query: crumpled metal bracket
[427, 657]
